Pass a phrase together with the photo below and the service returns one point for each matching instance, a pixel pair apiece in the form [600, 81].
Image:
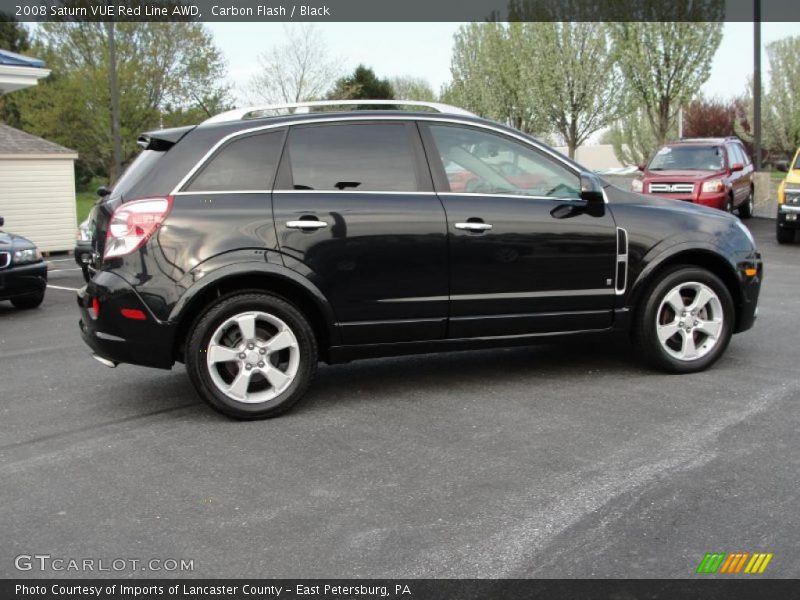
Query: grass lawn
[83, 204]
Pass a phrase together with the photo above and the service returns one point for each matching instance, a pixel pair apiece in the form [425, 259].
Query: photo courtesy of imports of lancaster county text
[382, 300]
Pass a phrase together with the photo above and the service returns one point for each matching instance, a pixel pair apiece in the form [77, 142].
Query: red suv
[714, 172]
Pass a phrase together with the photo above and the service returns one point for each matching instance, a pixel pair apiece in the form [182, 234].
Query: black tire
[784, 235]
[28, 302]
[215, 316]
[729, 208]
[746, 209]
[645, 336]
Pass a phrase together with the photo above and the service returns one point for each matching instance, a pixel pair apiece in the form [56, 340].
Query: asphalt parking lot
[558, 461]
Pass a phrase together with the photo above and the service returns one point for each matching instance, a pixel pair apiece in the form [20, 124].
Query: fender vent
[622, 261]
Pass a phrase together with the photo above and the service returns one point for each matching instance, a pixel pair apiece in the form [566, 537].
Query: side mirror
[641, 167]
[591, 188]
[103, 191]
[2, 221]
[737, 167]
[592, 194]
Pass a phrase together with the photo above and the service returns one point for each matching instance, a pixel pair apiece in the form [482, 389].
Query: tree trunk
[116, 141]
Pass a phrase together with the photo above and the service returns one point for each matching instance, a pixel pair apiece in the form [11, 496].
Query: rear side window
[244, 164]
[359, 157]
[137, 171]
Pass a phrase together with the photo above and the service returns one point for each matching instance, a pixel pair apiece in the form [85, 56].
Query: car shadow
[377, 380]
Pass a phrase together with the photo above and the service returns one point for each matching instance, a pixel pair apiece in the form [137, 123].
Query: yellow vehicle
[789, 202]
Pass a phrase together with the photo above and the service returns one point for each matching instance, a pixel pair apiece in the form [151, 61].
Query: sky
[423, 50]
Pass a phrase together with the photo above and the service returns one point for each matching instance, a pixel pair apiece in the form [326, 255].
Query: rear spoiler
[163, 139]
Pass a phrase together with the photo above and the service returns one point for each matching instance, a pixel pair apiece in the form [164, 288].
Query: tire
[784, 235]
[28, 302]
[746, 209]
[654, 320]
[729, 205]
[250, 381]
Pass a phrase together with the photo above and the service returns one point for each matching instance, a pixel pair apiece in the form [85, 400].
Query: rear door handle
[303, 224]
[474, 226]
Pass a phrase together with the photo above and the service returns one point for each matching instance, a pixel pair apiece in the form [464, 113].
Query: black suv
[251, 247]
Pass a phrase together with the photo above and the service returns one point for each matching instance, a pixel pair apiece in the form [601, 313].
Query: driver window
[484, 163]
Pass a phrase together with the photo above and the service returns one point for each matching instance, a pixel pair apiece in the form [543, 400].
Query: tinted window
[734, 156]
[688, 158]
[246, 163]
[138, 169]
[479, 162]
[361, 157]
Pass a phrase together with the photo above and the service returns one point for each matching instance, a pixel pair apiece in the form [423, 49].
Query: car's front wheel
[784, 235]
[686, 320]
[252, 355]
[29, 301]
[748, 207]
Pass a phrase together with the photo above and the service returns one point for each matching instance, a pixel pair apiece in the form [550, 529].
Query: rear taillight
[133, 223]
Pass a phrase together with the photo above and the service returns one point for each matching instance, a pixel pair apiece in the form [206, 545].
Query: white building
[37, 177]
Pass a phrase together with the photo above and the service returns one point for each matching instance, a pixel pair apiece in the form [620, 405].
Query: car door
[356, 213]
[525, 254]
[739, 182]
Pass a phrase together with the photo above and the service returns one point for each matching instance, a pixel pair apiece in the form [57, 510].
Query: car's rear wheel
[784, 234]
[251, 355]
[686, 320]
[747, 208]
[29, 301]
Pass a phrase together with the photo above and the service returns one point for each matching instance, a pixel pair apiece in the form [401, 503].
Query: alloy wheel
[689, 321]
[253, 357]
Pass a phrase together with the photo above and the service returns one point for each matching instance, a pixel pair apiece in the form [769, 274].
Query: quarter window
[244, 164]
[479, 162]
[359, 157]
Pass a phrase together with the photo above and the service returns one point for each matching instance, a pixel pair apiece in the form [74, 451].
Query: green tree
[488, 78]
[633, 139]
[665, 63]
[413, 88]
[782, 118]
[170, 70]
[14, 36]
[363, 84]
[569, 72]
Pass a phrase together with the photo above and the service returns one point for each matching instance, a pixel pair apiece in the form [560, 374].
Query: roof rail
[240, 114]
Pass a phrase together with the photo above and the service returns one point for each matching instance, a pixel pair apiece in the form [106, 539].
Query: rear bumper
[110, 335]
[23, 280]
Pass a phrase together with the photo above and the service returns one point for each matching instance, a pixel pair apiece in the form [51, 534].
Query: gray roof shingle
[14, 141]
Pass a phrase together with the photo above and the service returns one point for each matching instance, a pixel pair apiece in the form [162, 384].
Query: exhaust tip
[104, 361]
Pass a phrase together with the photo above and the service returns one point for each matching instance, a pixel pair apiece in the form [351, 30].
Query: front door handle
[474, 226]
[309, 224]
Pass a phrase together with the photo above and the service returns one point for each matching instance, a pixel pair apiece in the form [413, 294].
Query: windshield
[688, 158]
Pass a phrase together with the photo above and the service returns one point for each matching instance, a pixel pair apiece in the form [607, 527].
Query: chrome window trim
[343, 119]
